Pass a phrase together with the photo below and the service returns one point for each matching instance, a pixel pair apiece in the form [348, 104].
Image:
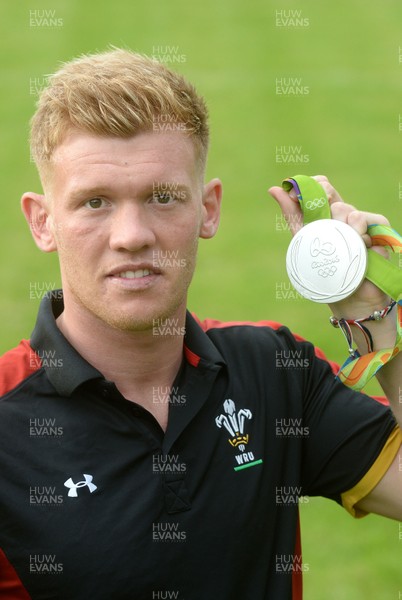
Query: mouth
[137, 274]
[134, 277]
[134, 271]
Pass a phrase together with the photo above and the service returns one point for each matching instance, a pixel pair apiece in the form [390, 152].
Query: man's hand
[385, 498]
[368, 297]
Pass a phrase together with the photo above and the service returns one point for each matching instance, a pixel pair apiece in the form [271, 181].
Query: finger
[320, 178]
[368, 217]
[332, 194]
[341, 211]
[359, 220]
[290, 207]
[277, 191]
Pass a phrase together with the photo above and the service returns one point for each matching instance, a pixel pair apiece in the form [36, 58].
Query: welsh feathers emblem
[234, 423]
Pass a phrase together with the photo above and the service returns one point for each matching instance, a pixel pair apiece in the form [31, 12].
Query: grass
[347, 126]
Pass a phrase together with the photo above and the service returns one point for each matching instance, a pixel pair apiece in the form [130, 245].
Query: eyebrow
[102, 189]
[169, 186]
[77, 192]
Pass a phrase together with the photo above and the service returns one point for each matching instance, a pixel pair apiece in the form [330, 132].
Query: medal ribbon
[358, 370]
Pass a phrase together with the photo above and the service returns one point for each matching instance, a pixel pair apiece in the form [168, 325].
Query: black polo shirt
[97, 502]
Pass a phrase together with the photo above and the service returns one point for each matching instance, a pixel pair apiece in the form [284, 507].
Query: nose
[131, 228]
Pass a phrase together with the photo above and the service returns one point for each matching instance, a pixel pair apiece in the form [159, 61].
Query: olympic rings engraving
[316, 203]
[327, 271]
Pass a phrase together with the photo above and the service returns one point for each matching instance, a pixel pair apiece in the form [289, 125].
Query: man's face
[127, 215]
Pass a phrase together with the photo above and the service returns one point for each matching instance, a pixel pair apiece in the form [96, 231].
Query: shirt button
[107, 388]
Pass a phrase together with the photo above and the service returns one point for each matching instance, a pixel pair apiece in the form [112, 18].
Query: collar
[66, 369]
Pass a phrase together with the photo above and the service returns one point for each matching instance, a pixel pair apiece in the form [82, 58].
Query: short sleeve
[346, 430]
[376, 472]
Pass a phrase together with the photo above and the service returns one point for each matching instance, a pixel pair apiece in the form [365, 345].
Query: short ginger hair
[116, 93]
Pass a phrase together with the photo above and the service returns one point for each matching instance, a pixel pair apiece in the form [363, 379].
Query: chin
[132, 321]
[128, 323]
[138, 316]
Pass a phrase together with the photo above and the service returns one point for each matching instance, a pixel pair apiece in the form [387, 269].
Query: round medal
[326, 261]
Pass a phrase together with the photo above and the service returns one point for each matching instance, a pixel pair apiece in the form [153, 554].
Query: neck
[138, 362]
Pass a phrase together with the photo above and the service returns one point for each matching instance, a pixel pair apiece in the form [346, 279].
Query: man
[140, 453]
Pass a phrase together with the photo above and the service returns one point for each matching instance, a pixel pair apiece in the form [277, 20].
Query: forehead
[149, 156]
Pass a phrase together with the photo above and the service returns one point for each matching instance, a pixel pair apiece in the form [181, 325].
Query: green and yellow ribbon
[358, 370]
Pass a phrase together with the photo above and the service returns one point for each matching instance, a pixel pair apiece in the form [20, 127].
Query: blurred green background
[347, 59]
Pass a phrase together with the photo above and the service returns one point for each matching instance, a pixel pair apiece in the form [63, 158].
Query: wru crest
[234, 423]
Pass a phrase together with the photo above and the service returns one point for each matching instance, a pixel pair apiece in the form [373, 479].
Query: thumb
[290, 207]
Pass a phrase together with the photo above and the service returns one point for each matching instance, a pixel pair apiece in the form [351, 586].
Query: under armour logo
[87, 482]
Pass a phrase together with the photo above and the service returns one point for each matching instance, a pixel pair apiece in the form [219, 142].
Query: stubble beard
[122, 320]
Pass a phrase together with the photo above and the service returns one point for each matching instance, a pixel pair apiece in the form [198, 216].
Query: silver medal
[326, 261]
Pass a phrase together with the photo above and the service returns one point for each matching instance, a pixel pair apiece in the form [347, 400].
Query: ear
[35, 209]
[211, 206]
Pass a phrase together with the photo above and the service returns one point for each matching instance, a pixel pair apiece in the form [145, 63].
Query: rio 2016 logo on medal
[326, 261]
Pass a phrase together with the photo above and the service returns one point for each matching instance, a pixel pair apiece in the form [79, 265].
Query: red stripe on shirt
[297, 575]
[214, 324]
[11, 587]
[16, 365]
[191, 357]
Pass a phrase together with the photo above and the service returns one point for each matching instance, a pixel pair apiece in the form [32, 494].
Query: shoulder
[244, 330]
[16, 365]
[271, 332]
